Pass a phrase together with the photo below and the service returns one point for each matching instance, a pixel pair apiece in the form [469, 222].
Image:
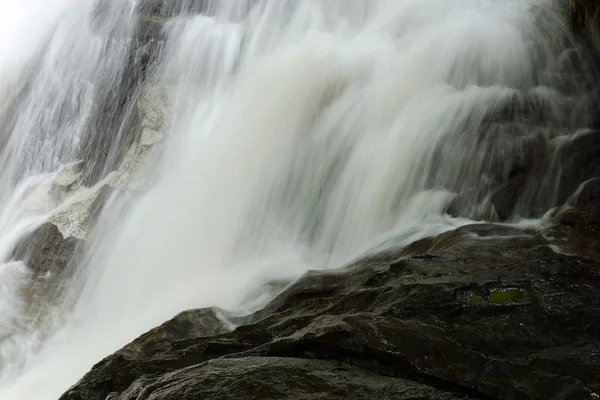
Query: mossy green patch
[475, 299]
[505, 296]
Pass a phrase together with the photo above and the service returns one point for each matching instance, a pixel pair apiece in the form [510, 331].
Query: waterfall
[207, 153]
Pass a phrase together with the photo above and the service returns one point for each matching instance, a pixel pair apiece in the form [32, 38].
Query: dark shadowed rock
[115, 121]
[171, 8]
[505, 198]
[587, 195]
[45, 250]
[583, 15]
[468, 205]
[483, 312]
[579, 221]
[548, 181]
[578, 159]
[280, 378]
[51, 247]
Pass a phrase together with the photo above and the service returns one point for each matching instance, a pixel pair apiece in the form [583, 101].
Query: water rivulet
[353, 199]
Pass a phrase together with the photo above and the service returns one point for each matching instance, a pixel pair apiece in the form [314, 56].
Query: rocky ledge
[487, 311]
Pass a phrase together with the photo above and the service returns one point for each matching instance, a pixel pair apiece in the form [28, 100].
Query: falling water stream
[230, 146]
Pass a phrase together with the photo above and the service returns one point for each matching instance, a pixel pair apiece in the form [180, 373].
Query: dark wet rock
[281, 378]
[579, 161]
[153, 15]
[470, 204]
[587, 195]
[584, 21]
[116, 123]
[151, 28]
[539, 107]
[52, 247]
[579, 222]
[550, 177]
[584, 15]
[191, 323]
[171, 8]
[513, 167]
[482, 312]
[157, 342]
[505, 198]
[46, 250]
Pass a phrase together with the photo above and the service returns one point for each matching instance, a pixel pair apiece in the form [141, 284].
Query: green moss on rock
[507, 296]
[475, 299]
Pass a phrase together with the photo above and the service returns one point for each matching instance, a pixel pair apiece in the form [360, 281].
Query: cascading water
[233, 145]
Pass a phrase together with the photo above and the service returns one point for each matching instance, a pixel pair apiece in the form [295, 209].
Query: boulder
[482, 312]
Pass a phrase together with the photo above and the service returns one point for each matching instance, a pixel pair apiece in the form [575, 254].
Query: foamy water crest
[293, 135]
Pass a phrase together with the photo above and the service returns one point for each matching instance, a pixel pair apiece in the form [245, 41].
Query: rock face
[583, 14]
[46, 250]
[483, 312]
[283, 378]
[568, 162]
[173, 8]
[51, 247]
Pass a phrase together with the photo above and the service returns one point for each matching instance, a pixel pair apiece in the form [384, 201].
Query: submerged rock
[482, 312]
[46, 250]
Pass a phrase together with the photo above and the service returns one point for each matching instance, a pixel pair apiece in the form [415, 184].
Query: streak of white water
[303, 134]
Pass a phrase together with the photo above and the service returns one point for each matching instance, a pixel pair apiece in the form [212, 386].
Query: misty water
[210, 155]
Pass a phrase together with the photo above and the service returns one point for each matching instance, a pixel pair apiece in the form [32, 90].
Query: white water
[301, 134]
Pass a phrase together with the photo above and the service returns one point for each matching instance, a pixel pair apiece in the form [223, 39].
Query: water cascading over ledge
[159, 157]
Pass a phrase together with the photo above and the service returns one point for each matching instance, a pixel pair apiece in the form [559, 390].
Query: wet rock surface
[46, 250]
[73, 207]
[549, 178]
[282, 378]
[483, 312]
[583, 15]
[162, 8]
